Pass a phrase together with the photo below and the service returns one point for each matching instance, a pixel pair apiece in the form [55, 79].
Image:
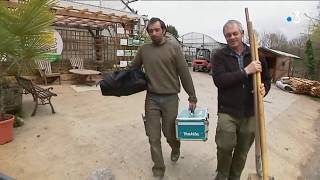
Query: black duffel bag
[123, 83]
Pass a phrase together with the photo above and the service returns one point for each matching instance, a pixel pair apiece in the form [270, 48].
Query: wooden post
[261, 118]
[290, 71]
[257, 134]
[258, 101]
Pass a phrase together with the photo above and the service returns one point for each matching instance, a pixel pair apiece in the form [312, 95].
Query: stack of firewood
[315, 91]
[305, 86]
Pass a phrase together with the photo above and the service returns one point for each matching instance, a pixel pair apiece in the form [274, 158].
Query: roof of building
[273, 51]
[280, 53]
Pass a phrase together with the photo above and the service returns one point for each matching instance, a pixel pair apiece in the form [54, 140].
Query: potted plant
[26, 35]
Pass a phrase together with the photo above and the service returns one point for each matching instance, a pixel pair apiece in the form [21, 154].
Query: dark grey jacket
[235, 88]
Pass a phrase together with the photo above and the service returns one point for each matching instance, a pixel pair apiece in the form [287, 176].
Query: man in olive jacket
[232, 73]
[165, 67]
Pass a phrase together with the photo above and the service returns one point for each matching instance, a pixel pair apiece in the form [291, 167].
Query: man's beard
[156, 40]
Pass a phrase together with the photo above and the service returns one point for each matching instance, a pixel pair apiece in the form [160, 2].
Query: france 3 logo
[294, 18]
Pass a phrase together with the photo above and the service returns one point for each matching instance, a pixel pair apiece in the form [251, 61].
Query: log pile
[305, 86]
[315, 91]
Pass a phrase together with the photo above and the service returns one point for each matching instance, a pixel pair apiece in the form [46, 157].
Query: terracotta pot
[6, 129]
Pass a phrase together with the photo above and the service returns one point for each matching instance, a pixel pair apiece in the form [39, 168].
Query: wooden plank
[114, 19]
[9, 4]
[68, 8]
[83, 11]
[98, 13]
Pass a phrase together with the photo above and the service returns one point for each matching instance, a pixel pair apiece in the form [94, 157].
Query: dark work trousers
[234, 137]
[161, 112]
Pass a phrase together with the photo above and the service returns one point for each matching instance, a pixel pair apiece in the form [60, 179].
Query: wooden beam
[72, 26]
[83, 11]
[98, 13]
[91, 20]
[114, 19]
[66, 21]
[84, 25]
[74, 18]
[85, 20]
[76, 14]
[124, 16]
[67, 8]
[102, 23]
[9, 4]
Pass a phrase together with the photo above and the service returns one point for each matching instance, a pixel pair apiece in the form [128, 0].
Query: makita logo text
[191, 134]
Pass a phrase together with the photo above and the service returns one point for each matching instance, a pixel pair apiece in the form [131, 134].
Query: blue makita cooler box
[193, 126]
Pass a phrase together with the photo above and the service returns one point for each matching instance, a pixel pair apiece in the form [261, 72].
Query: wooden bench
[40, 95]
[46, 72]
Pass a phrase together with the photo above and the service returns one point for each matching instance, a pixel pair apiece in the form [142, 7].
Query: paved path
[90, 131]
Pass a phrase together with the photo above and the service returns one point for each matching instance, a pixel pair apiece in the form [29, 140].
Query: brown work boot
[175, 154]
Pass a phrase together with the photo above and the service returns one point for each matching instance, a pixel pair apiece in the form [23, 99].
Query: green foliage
[146, 39]
[171, 29]
[310, 63]
[143, 36]
[25, 35]
[316, 33]
[315, 37]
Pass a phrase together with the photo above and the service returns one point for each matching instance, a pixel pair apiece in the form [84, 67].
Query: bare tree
[315, 21]
[274, 41]
[297, 45]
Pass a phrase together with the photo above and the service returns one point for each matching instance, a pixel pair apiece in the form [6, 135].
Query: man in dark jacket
[232, 74]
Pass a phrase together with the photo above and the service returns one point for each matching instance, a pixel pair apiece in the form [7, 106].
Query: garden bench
[40, 95]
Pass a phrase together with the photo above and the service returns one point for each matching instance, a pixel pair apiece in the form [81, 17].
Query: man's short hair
[232, 21]
[154, 20]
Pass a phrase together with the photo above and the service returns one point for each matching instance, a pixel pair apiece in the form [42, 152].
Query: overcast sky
[208, 17]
